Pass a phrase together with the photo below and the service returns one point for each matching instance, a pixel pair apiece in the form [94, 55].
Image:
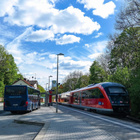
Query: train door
[84, 98]
[96, 98]
[76, 96]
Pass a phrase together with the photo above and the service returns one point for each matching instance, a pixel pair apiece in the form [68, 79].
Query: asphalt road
[15, 131]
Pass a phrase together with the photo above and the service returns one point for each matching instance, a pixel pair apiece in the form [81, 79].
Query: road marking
[98, 117]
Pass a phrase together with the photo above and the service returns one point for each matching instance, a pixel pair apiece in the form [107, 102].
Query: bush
[1, 89]
[134, 91]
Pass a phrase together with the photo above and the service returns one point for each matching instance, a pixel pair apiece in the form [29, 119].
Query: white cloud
[43, 14]
[98, 35]
[51, 21]
[28, 12]
[67, 39]
[72, 20]
[67, 65]
[95, 49]
[52, 56]
[99, 8]
[95, 55]
[105, 10]
[14, 47]
[6, 7]
[40, 36]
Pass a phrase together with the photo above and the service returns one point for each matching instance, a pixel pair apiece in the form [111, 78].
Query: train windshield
[117, 90]
[15, 90]
[117, 95]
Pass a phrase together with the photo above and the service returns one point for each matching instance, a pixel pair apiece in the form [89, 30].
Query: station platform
[61, 126]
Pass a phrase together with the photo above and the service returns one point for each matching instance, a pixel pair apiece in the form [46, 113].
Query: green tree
[41, 89]
[70, 82]
[8, 69]
[2, 62]
[121, 75]
[97, 73]
[134, 91]
[11, 70]
[126, 51]
[122, 59]
[83, 81]
[129, 15]
[1, 88]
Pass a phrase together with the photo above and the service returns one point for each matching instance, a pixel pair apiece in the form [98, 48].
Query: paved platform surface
[60, 126]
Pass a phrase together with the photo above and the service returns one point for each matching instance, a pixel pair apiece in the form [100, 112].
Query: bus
[21, 98]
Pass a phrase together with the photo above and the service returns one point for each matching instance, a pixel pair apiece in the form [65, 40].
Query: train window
[96, 93]
[92, 93]
[85, 95]
[114, 90]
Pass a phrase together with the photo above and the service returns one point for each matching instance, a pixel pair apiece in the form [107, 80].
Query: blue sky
[34, 31]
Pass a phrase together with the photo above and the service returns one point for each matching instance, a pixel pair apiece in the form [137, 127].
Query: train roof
[103, 84]
[65, 94]
[110, 84]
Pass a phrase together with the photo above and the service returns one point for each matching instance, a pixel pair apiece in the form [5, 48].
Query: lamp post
[46, 86]
[57, 82]
[46, 102]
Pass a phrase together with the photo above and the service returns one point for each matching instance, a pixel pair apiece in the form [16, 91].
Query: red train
[104, 97]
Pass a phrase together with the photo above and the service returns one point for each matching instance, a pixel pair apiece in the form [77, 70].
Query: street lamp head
[50, 76]
[60, 54]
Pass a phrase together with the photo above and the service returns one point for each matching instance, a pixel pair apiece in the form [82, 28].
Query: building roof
[23, 81]
[33, 82]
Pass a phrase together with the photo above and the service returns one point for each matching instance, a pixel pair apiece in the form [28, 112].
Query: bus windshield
[15, 91]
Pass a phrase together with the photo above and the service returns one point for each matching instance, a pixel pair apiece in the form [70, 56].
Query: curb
[43, 130]
[134, 119]
[29, 122]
